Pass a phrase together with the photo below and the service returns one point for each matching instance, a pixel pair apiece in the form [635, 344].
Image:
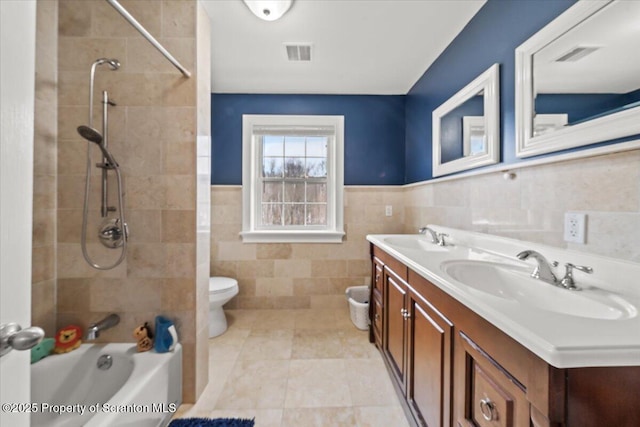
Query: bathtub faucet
[93, 332]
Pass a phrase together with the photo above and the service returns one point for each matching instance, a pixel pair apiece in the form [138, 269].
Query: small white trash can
[358, 297]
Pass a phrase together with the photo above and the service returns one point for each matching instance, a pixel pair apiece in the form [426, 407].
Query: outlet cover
[388, 210]
[575, 227]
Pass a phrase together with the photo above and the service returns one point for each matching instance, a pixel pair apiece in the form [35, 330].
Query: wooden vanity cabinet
[452, 368]
[417, 346]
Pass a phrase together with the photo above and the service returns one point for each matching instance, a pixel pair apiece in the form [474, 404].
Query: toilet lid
[221, 284]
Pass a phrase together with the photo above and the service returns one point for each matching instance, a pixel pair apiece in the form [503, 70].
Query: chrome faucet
[543, 269]
[94, 329]
[436, 238]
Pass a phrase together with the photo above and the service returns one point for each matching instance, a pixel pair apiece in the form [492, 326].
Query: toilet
[221, 290]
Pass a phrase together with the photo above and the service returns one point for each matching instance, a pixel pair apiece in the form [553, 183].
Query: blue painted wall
[373, 141]
[490, 37]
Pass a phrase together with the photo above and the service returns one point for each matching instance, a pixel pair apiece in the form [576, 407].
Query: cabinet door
[376, 301]
[429, 372]
[394, 340]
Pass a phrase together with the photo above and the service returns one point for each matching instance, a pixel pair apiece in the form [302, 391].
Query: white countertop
[562, 340]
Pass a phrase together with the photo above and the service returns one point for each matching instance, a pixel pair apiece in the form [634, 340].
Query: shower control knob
[12, 336]
[111, 234]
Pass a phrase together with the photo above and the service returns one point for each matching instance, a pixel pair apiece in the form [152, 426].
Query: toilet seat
[218, 284]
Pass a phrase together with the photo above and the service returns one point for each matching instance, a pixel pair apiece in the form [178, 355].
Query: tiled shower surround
[530, 207]
[152, 134]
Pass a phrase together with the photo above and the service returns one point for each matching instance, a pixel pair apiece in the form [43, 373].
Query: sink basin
[512, 282]
[415, 242]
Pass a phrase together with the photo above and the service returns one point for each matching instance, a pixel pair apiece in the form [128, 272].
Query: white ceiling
[377, 47]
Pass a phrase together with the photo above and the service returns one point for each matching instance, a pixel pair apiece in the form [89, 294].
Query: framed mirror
[466, 128]
[578, 79]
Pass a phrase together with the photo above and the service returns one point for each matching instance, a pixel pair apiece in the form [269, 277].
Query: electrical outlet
[388, 210]
[575, 225]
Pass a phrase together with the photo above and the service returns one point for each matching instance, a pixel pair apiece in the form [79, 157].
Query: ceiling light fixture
[269, 10]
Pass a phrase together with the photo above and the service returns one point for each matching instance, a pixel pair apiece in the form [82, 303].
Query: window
[292, 178]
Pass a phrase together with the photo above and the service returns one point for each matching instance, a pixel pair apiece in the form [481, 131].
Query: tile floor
[308, 368]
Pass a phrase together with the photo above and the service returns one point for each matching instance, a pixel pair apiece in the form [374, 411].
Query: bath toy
[67, 339]
[43, 349]
[143, 334]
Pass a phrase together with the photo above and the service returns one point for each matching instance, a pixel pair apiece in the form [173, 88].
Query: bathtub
[100, 385]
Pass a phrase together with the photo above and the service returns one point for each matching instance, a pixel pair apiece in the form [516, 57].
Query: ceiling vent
[298, 52]
[577, 53]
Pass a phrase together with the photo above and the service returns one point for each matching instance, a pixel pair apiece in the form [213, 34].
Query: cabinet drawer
[491, 405]
[492, 396]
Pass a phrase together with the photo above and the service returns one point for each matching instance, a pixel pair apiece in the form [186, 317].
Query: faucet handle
[441, 237]
[568, 281]
[582, 268]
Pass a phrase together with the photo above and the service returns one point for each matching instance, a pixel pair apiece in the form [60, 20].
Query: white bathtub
[139, 389]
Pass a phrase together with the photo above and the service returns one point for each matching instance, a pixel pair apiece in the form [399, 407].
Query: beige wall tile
[108, 22]
[74, 17]
[44, 227]
[178, 226]
[43, 265]
[270, 287]
[255, 268]
[43, 306]
[147, 260]
[180, 260]
[178, 18]
[73, 295]
[274, 251]
[292, 268]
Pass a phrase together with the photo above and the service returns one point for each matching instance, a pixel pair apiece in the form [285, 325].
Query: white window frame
[333, 232]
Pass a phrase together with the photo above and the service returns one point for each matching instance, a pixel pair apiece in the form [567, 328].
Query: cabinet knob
[377, 316]
[488, 410]
[377, 277]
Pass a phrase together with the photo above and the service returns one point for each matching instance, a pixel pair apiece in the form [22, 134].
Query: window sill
[291, 236]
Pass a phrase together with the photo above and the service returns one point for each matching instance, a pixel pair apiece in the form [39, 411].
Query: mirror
[466, 127]
[578, 79]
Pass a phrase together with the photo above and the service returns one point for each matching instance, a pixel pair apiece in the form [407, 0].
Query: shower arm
[126, 15]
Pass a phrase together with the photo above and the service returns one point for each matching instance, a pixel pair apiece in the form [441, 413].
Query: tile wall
[300, 275]
[531, 207]
[43, 275]
[152, 134]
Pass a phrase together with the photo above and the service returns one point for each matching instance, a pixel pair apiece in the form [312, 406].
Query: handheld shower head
[92, 135]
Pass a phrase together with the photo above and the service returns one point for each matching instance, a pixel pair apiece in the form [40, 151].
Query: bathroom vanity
[470, 339]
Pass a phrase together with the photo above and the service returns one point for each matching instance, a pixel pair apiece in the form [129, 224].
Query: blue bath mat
[211, 422]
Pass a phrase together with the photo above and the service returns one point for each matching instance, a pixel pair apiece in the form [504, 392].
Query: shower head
[92, 135]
